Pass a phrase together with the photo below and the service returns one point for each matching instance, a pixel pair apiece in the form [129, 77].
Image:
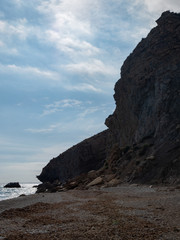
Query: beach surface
[124, 212]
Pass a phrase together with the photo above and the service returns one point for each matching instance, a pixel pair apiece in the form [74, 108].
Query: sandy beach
[124, 212]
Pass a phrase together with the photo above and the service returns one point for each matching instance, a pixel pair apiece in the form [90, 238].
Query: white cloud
[12, 68]
[83, 87]
[67, 16]
[70, 44]
[18, 2]
[150, 11]
[51, 128]
[60, 105]
[162, 5]
[82, 122]
[40, 130]
[64, 103]
[88, 111]
[67, 30]
[94, 66]
[18, 28]
[2, 26]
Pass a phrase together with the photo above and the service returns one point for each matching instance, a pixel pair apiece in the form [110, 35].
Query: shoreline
[145, 212]
[11, 193]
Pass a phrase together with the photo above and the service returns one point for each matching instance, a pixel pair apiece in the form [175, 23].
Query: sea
[8, 193]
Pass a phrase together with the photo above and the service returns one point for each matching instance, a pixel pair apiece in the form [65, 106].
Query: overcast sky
[59, 61]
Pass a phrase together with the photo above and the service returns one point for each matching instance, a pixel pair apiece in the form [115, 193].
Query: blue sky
[59, 61]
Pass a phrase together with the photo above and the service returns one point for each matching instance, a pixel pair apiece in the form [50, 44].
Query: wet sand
[125, 212]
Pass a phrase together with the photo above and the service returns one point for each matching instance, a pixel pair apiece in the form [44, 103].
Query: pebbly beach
[122, 212]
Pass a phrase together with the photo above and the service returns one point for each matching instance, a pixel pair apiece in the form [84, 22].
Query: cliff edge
[143, 137]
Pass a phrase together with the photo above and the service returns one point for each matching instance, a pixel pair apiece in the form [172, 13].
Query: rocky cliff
[81, 158]
[147, 113]
[143, 136]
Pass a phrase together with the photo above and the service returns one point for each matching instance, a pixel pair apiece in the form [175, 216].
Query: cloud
[41, 130]
[64, 103]
[18, 2]
[70, 44]
[67, 30]
[52, 128]
[67, 16]
[162, 5]
[83, 119]
[93, 110]
[83, 87]
[7, 50]
[88, 111]
[12, 68]
[2, 26]
[83, 32]
[82, 124]
[149, 11]
[60, 105]
[19, 28]
[95, 66]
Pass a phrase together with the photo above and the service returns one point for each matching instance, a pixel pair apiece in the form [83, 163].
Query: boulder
[49, 187]
[96, 181]
[113, 183]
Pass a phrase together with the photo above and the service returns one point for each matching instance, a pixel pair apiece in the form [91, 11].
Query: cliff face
[147, 97]
[142, 142]
[147, 103]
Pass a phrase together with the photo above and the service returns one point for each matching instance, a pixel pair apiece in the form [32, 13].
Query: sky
[59, 61]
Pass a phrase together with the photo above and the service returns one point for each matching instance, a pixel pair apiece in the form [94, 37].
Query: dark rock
[12, 185]
[142, 143]
[22, 195]
[147, 105]
[88, 155]
[49, 187]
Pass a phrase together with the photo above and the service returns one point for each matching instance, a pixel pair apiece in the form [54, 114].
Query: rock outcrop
[81, 158]
[143, 137]
[13, 185]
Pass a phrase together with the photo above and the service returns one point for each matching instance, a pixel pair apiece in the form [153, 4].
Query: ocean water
[8, 193]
